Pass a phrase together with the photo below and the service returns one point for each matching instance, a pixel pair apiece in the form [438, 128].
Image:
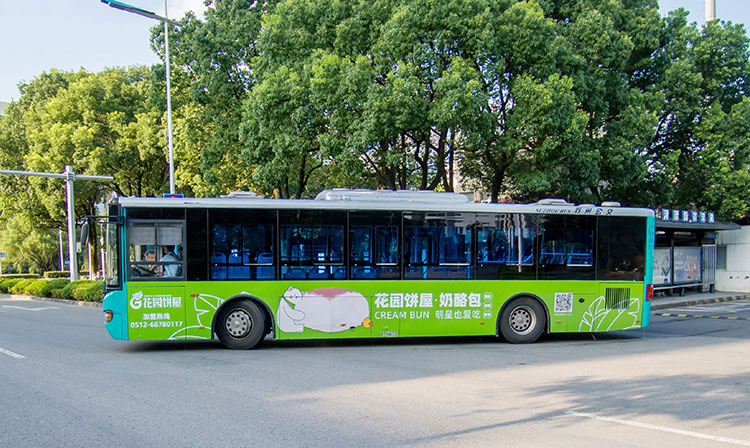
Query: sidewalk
[696, 298]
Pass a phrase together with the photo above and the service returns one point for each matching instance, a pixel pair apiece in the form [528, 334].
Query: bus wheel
[522, 321]
[240, 325]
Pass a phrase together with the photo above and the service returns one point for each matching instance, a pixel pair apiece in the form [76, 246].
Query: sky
[38, 35]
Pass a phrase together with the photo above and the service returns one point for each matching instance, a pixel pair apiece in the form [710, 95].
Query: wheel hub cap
[238, 323]
[522, 320]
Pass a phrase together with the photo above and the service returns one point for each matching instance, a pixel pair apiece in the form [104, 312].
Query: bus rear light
[108, 315]
[649, 292]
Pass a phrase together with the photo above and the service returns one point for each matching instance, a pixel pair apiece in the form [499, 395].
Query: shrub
[85, 290]
[35, 287]
[56, 292]
[67, 291]
[52, 285]
[6, 284]
[90, 292]
[56, 274]
[20, 287]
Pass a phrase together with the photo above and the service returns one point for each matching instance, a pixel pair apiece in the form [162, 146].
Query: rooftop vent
[610, 204]
[343, 194]
[550, 201]
[242, 195]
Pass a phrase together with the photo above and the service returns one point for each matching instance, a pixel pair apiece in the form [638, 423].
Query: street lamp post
[142, 12]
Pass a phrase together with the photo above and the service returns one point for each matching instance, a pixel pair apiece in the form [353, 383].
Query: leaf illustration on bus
[600, 318]
[206, 304]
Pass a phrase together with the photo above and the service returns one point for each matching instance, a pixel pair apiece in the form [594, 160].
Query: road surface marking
[42, 308]
[661, 428]
[11, 354]
[701, 316]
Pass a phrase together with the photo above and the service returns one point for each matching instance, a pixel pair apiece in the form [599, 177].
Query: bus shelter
[685, 255]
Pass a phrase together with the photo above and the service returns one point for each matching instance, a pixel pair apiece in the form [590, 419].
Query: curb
[682, 303]
[49, 299]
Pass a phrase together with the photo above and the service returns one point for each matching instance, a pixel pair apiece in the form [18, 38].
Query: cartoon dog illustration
[329, 310]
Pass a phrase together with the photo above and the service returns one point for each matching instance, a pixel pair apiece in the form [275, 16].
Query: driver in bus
[173, 254]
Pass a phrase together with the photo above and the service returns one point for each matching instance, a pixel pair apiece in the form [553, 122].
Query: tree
[214, 70]
[97, 123]
[29, 246]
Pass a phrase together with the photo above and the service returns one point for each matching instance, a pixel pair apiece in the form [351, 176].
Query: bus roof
[423, 201]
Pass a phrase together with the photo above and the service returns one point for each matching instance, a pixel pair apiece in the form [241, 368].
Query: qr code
[563, 302]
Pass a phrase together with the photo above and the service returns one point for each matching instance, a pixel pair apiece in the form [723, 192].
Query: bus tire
[240, 325]
[522, 321]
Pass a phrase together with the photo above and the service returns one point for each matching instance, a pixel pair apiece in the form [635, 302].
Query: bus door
[155, 279]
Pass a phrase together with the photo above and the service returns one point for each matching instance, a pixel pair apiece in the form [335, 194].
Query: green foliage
[35, 288]
[17, 276]
[7, 283]
[101, 123]
[57, 293]
[52, 285]
[84, 290]
[20, 286]
[67, 290]
[56, 274]
[91, 292]
[28, 245]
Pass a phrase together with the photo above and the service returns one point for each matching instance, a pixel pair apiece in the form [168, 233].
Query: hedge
[7, 283]
[61, 288]
[84, 290]
[63, 274]
[51, 285]
[20, 287]
[92, 292]
[35, 287]
[12, 276]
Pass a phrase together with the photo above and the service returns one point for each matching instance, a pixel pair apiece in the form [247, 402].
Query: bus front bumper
[115, 311]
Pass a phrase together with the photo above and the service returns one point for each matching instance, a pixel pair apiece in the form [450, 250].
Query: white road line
[11, 354]
[661, 428]
[42, 308]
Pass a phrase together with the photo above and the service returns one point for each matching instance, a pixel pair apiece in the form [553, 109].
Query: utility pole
[69, 177]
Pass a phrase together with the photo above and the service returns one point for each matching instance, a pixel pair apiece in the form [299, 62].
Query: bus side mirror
[85, 233]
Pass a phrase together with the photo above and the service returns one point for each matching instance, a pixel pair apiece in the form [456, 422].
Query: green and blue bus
[372, 264]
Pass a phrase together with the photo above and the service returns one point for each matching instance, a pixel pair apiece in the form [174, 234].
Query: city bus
[372, 264]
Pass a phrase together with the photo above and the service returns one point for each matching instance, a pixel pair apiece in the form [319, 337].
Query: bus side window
[491, 246]
[566, 247]
[505, 246]
[374, 245]
[438, 245]
[312, 244]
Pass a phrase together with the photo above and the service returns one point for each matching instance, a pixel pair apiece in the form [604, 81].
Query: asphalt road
[684, 382]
